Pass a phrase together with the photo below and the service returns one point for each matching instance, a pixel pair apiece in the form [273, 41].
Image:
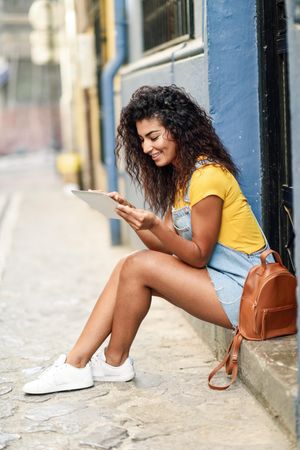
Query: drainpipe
[108, 109]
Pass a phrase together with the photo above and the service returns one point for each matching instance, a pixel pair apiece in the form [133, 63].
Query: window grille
[166, 22]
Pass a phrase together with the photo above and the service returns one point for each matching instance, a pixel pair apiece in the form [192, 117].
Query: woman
[198, 255]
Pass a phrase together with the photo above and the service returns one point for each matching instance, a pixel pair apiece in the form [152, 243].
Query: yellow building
[87, 44]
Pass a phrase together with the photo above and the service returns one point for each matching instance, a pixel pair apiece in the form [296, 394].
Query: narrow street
[55, 258]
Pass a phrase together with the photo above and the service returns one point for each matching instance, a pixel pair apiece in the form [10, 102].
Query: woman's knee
[118, 267]
[139, 263]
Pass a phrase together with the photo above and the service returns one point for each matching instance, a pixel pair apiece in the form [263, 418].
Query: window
[297, 11]
[166, 22]
[16, 6]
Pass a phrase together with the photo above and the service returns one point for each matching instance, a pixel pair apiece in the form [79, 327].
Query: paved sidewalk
[56, 260]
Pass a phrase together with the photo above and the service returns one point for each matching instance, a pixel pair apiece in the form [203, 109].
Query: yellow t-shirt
[239, 229]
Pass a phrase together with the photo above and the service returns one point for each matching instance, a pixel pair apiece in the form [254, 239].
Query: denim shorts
[227, 267]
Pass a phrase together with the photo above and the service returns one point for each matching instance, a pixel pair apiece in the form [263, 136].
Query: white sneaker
[105, 372]
[61, 376]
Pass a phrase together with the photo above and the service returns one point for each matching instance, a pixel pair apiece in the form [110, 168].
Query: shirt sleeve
[208, 180]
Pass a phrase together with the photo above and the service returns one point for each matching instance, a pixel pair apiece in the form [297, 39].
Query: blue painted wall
[233, 87]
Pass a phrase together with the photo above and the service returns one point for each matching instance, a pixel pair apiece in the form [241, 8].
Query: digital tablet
[99, 201]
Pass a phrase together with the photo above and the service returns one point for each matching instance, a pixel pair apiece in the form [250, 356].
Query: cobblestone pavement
[55, 260]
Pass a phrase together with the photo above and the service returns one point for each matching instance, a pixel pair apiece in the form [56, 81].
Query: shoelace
[58, 363]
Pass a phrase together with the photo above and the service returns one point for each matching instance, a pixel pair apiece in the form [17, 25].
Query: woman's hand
[115, 196]
[138, 219]
[118, 198]
[141, 221]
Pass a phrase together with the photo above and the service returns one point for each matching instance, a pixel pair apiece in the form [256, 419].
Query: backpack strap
[268, 252]
[230, 361]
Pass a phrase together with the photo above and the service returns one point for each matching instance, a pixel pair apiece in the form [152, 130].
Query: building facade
[293, 10]
[231, 60]
[29, 93]
[240, 63]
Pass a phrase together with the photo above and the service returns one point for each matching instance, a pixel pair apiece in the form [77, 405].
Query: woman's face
[156, 141]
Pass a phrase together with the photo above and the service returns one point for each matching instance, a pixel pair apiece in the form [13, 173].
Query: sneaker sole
[114, 379]
[63, 388]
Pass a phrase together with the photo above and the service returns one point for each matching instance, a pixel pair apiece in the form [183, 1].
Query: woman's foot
[61, 376]
[105, 372]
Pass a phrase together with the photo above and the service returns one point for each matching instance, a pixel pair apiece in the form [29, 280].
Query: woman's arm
[206, 223]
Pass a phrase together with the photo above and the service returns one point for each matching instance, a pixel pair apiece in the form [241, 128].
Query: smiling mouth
[155, 155]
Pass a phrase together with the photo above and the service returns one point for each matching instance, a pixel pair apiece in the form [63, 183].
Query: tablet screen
[99, 201]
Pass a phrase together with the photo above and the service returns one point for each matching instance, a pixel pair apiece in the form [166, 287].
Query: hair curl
[189, 126]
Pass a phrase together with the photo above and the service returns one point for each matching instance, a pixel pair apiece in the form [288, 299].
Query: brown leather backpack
[268, 309]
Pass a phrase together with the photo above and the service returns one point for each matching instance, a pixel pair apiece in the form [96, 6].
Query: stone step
[268, 368]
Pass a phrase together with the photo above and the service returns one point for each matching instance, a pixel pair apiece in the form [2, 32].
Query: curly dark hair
[189, 126]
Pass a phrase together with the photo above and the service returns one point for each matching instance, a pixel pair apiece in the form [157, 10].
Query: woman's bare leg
[126, 300]
[99, 323]
[146, 272]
